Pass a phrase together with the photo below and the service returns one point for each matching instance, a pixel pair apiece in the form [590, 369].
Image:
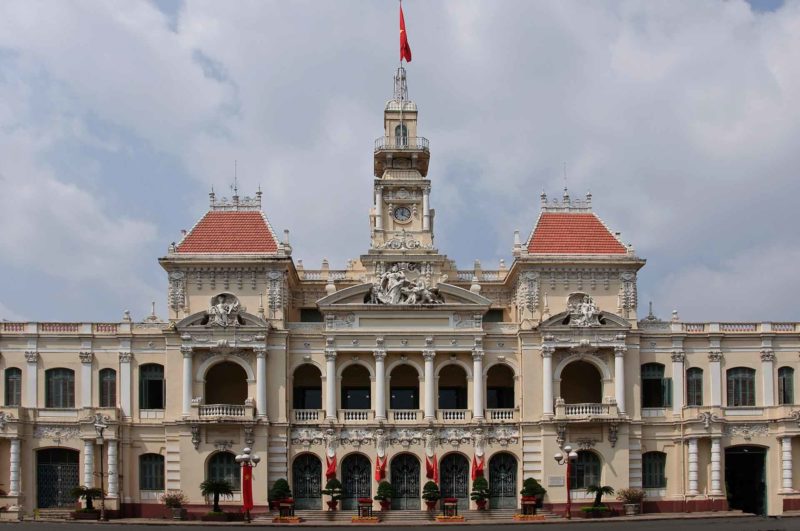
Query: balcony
[356, 415]
[586, 411]
[415, 148]
[501, 415]
[454, 415]
[224, 411]
[391, 143]
[405, 415]
[308, 416]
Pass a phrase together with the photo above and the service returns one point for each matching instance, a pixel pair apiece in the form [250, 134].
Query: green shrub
[385, 491]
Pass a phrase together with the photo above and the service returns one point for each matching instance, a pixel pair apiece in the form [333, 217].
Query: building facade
[400, 364]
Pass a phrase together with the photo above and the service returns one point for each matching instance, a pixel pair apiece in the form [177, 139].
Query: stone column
[187, 381]
[768, 377]
[693, 467]
[111, 471]
[430, 385]
[619, 376]
[330, 379]
[547, 380]
[715, 370]
[86, 378]
[379, 208]
[786, 465]
[125, 396]
[426, 208]
[13, 482]
[31, 379]
[678, 358]
[477, 380]
[261, 381]
[88, 462]
[380, 384]
[716, 467]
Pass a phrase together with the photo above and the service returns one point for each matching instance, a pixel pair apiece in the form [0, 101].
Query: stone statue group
[394, 287]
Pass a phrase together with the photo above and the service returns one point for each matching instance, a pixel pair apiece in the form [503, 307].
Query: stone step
[53, 514]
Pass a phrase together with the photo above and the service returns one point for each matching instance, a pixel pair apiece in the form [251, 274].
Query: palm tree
[599, 492]
[216, 488]
[89, 493]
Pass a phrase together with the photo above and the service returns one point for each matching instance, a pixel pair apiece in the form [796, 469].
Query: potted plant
[216, 488]
[631, 500]
[88, 494]
[333, 488]
[431, 494]
[532, 490]
[279, 492]
[174, 500]
[480, 492]
[385, 494]
[598, 509]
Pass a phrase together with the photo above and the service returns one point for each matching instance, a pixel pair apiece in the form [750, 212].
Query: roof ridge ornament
[235, 202]
[566, 203]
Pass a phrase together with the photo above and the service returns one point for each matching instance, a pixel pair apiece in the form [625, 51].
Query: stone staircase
[404, 517]
[59, 514]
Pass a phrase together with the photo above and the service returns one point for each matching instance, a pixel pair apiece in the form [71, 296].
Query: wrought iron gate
[454, 477]
[307, 477]
[56, 476]
[503, 482]
[356, 480]
[405, 480]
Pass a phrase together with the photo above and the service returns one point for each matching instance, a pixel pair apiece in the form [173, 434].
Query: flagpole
[399, 72]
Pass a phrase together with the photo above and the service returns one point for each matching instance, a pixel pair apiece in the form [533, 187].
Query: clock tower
[401, 219]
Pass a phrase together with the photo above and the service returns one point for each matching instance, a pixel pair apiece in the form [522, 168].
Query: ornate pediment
[205, 319]
[600, 321]
[362, 296]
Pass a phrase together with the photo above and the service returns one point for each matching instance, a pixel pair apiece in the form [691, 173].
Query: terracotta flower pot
[385, 505]
[431, 504]
[332, 504]
[481, 504]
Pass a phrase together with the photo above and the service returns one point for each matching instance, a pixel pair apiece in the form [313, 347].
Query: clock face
[402, 213]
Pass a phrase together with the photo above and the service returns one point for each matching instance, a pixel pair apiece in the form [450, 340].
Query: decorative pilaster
[547, 380]
[13, 469]
[426, 208]
[693, 467]
[112, 478]
[716, 467]
[619, 376]
[88, 462]
[678, 358]
[125, 397]
[31, 373]
[430, 385]
[379, 208]
[477, 379]
[261, 381]
[187, 380]
[86, 378]
[330, 378]
[786, 465]
[380, 380]
[768, 377]
[715, 370]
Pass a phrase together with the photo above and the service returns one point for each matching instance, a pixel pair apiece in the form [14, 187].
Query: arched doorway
[307, 482]
[581, 383]
[454, 479]
[452, 387]
[404, 388]
[405, 480]
[745, 478]
[226, 383]
[356, 480]
[503, 481]
[356, 388]
[56, 476]
[500, 387]
[307, 387]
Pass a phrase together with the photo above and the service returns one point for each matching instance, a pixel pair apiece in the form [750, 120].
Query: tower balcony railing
[394, 143]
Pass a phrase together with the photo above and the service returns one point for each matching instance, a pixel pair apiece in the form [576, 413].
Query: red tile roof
[236, 232]
[573, 233]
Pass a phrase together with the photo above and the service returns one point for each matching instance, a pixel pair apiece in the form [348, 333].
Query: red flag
[330, 467]
[380, 468]
[247, 488]
[405, 49]
[477, 467]
[432, 468]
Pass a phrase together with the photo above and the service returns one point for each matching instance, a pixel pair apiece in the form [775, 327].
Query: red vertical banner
[432, 468]
[405, 49]
[477, 467]
[247, 487]
[330, 467]
[380, 468]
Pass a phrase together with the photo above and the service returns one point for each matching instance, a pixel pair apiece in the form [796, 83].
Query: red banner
[405, 49]
[330, 467]
[247, 487]
[432, 468]
[380, 468]
[477, 467]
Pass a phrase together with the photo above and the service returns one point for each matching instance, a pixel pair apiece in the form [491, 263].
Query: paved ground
[635, 524]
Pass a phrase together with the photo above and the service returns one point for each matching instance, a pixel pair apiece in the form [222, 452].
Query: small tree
[430, 492]
[216, 488]
[174, 499]
[88, 493]
[333, 488]
[280, 490]
[480, 490]
[599, 492]
[532, 489]
[385, 491]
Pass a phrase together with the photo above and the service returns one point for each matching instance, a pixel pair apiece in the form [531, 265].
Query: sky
[681, 118]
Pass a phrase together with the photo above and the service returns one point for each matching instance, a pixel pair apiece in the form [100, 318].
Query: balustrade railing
[355, 415]
[500, 414]
[401, 142]
[404, 415]
[453, 414]
[221, 410]
[307, 415]
[578, 410]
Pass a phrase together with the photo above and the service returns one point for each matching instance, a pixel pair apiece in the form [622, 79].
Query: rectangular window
[694, 387]
[656, 390]
[356, 398]
[500, 397]
[13, 387]
[786, 385]
[653, 470]
[452, 398]
[108, 388]
[403, 398]
[307, 398]
[151, 386]
[151, 472]
[741, 387]
[59, 389]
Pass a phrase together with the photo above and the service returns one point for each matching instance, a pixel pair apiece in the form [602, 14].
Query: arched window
[108, 388]
[13, 387]
[223, 466]
[151, 472]
[401, 135]
[654, 470]
[694, 387]
[656, 390]
[585, 470]
[59, 391]
[741, 387]
[786, 385]
[151, 386]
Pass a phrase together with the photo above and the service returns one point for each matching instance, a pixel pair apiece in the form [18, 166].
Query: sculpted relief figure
[395, 287]
[224, 310]
[582, 310]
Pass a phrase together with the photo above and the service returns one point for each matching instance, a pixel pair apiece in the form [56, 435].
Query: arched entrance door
[226, 383]
[307, 482]
[745, 478]
[503, 481]
[454, 479]
[56, 476]
[356, 481]
[405, 480]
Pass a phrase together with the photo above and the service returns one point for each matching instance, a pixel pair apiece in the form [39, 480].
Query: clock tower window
[401, 135]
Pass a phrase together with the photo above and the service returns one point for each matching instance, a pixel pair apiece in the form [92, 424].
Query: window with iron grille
[151, 386]
[694, 387]
[223, 466]
[656, 390]
[654, 470]
[13, 386]
[741, 387]
[59, 388]
[151, 472]
[585, 470]
[108, 388]
[786, 385]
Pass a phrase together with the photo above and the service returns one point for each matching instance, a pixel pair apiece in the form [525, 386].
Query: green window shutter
[666, 386]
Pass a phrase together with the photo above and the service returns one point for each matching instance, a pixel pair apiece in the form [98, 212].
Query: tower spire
[400, 85]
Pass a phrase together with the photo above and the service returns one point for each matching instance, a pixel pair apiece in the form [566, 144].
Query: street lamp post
[100, 426]
[247, 460]
[567, 460]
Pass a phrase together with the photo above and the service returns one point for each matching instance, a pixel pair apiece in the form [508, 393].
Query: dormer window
[401, 136]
